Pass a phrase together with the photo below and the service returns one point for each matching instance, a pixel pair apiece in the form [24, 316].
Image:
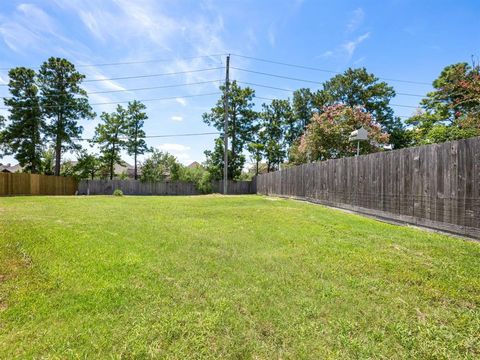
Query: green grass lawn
[228, 277]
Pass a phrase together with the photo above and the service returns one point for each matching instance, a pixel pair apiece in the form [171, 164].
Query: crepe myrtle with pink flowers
[327, 135]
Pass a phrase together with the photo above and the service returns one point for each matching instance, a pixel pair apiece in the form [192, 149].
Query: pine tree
[135, 143]
[64, 103]
[23, 136]
[110, 136]
[241, 119]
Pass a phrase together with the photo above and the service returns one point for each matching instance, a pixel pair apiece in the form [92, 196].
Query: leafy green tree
[109, 135]
[452, 110]
[47, 163]
[357, 87]
[197, 175]
[23, 136]
[241, 118]
[327, 135]
[274, 127]
[135, 143]
[160, 166]
[88, 166]
[63, 103]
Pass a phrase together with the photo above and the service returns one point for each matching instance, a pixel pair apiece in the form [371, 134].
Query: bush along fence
[436, 186]
[136, 187]
[34, 184]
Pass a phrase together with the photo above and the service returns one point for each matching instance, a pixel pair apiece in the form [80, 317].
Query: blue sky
[397, 39]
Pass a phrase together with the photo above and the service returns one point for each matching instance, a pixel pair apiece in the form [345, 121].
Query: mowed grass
[228, 277]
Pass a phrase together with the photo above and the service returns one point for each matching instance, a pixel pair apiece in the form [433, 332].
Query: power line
[324, 70]
[148, 75]
[289, 90]
[132, 62]
[278, 76]
[127, 101]
[406, 106]
[161, 136]
[400, 116]
[138, 89]
[154, 75]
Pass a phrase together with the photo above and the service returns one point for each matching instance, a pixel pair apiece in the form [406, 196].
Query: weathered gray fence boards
[136, 187]
[235, 187]
[436, 185]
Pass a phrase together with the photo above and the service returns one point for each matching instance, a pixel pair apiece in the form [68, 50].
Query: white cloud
[328, 53]
[352, 45]
[356, 20]
[181, 101]
[177, 118]
[181, 152]
[346, 50]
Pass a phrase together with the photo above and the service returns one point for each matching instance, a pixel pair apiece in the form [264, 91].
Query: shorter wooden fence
[136, 187]
[235, 187]
[34, 184]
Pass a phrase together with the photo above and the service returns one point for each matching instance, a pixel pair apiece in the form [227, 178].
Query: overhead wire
[323, 70]
[127, 101]
[290, 90]
[139, 89]
[148, 75]
[160, 136]
[133, 62]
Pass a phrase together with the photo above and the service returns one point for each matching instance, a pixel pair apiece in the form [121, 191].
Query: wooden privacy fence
[136, 187]
[437, 186]
[235, 187]
[34, 184]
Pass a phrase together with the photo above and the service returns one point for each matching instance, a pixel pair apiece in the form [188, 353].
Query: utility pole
[225, 128]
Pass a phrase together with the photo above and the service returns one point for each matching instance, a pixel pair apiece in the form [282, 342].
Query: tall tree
[302, 106]
[274, 127]
[241, 118]
[110, 136]
[135, 143]
[357, 87]
[452, 110]
[64, 103]
[23, 136]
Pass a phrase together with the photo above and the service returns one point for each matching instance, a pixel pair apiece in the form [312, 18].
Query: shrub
[199, 176]
[117, 192]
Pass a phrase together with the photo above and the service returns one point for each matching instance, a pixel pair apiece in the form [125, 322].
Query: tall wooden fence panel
[437, 186]
[34, 184]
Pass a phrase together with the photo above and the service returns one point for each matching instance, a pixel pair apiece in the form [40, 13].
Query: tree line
[45, 108]
[315, 125]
